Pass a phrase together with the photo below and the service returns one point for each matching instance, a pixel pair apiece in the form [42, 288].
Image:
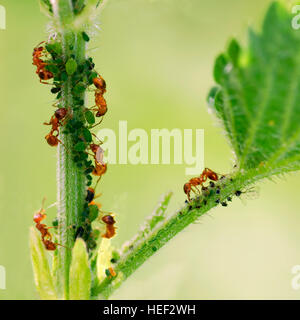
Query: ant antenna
[52, 205]
[43, 203]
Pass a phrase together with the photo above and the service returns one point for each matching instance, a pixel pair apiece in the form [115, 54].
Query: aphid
[224, 204]
[211, 184]
[110, 228]
[249, 194]
[229, 199]
[90, 195]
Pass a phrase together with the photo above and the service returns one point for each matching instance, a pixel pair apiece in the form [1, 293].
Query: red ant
[110, 228]
[110, 273]
[44, 230]
[194, 182]
[55, 122]
[38, 52]
[100, 102]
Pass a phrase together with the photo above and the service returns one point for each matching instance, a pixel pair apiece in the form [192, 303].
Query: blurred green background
[157, 58]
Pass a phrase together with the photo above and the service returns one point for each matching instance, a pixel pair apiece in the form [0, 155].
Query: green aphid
[79, 88]
[87, 135]
[93, 213]
[80, 146]
[89, 116]
[89, 163]
[80, 69]
[83, 156]
[85, 36]
[79, 165]
[92, 77]
[115, 256]
[52, 68]
[71, 66]
[88, 171]
[64, 76]
[96, 234]
[55, 223]
[54, 48]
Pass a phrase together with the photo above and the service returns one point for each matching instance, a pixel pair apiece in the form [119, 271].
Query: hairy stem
[71, 179]
[130, 261]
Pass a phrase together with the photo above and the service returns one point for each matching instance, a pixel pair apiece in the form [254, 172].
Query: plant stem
[176, 223]
[71, 179]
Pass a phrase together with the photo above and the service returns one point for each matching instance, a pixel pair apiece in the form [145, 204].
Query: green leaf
[104, 258]
[71, 66]
[42, 275]
[258, 98]
[80, 275]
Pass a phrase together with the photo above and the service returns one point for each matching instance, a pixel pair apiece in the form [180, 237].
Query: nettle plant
[257, 101]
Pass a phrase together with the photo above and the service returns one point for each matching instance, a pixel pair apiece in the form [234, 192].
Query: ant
[38, 52]
[55, 122]
[110, 228]
[195, 182]
[100, 103]
[44, 230]
[110, 273]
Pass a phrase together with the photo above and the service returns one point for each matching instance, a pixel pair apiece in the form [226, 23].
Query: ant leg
[98, 182]
[97, 124]
[101, 142]
[43, 82]
[195, 191]
[58, 244]
[188, 196]
[198, 190]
